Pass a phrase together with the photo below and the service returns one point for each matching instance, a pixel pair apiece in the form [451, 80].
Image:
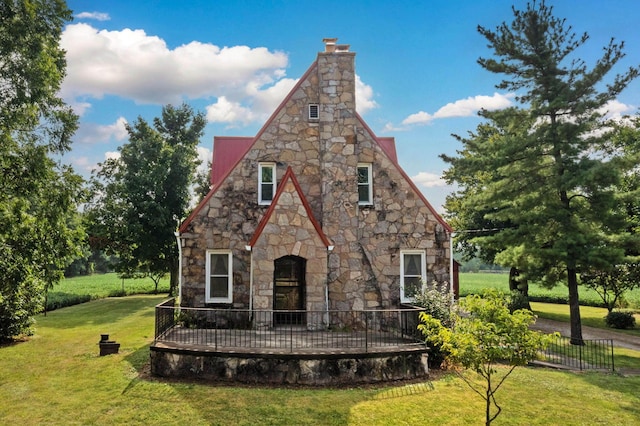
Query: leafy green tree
[39, 230]
[612, 284]
[142, 196]
[484, 336]
[548, 182]
[203, 182]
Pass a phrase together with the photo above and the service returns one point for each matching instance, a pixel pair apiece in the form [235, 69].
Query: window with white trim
[266, 183]
[314, 112]
[413, 274]
[365, 186]
[219, 282]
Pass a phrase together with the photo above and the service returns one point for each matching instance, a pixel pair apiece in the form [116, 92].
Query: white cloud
[462, 108]
[390, 127]
[83, 164]
[264, 102]
[364, 97]
[109, 155]
[79, 107]
[418, 118]
[616, 110]
[225, 111]
[428, 180]
[204, 155]
[93, 133]
[134, 65]
[98, 16]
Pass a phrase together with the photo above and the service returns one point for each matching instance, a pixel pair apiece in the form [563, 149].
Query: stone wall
[289, 231]
[362, 271]
[290, 370]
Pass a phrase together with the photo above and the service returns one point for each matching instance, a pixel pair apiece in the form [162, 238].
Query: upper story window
[219, 283]
[314, 112]
[266, 183]
[365, 186]
[413, 274]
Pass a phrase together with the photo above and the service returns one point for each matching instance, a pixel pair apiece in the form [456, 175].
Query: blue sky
[418, 79]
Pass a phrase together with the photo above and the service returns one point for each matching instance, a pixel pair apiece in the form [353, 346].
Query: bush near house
[618, 319]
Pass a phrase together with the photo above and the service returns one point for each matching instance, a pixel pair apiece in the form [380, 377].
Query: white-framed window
[365, 184]
[219, 280]
[314, 112]
[413, 274]
[266, 183]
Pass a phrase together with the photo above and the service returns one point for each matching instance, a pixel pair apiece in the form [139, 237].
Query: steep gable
[387, 145]
[317, 187]
[294, 209]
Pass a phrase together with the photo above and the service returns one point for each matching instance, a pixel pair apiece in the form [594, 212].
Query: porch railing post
[612, 362]
[366, 332]
[215, 329]
[580, 357]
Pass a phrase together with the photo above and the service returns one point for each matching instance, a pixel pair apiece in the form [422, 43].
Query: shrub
[518, 301]
[437, 303]
[118, 293]
[58, 300]
[620, 320]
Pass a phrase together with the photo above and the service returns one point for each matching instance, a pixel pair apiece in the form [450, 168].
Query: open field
[474, 282]
[72, 291]
[57, 377]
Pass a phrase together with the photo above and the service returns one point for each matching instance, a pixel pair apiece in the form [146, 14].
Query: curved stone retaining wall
[290, 369]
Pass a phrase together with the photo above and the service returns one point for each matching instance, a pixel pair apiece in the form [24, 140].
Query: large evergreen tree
[38, 196]
[545, 179]
[142, 196]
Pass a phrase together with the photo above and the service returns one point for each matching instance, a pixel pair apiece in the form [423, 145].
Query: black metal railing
[591, 355]
[165, 318]
[290, 331]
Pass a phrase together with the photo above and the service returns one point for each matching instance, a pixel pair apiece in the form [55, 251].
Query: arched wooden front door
[289, 289]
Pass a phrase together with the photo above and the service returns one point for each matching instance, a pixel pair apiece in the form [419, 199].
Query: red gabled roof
[227, 151]
[388, 145]
[289, 175]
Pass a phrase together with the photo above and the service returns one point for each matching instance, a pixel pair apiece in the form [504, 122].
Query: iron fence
[165, 318]
[590, 355]
[290, 331]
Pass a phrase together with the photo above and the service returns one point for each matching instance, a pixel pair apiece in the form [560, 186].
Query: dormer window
[266, 183]
[365, 187]
[314, 112]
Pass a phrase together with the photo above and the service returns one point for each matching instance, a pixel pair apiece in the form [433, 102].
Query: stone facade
[336, 370]
[352, 252]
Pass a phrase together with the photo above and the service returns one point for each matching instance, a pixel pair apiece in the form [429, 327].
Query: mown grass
[57, 377]
[475, 282]
[72, 291]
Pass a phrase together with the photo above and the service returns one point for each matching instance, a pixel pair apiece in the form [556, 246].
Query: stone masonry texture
[362, 271]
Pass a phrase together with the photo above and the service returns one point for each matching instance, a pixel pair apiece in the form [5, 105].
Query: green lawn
[71, 291]
[475, 282]
[57, 377]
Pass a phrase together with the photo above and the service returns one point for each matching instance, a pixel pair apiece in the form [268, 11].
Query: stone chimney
[330, 46]
[337, 131]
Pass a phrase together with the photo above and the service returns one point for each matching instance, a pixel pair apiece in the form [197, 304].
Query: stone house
[314, 213]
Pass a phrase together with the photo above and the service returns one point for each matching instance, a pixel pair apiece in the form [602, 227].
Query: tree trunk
[173, 279]
[574, 308]
[487, 412]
